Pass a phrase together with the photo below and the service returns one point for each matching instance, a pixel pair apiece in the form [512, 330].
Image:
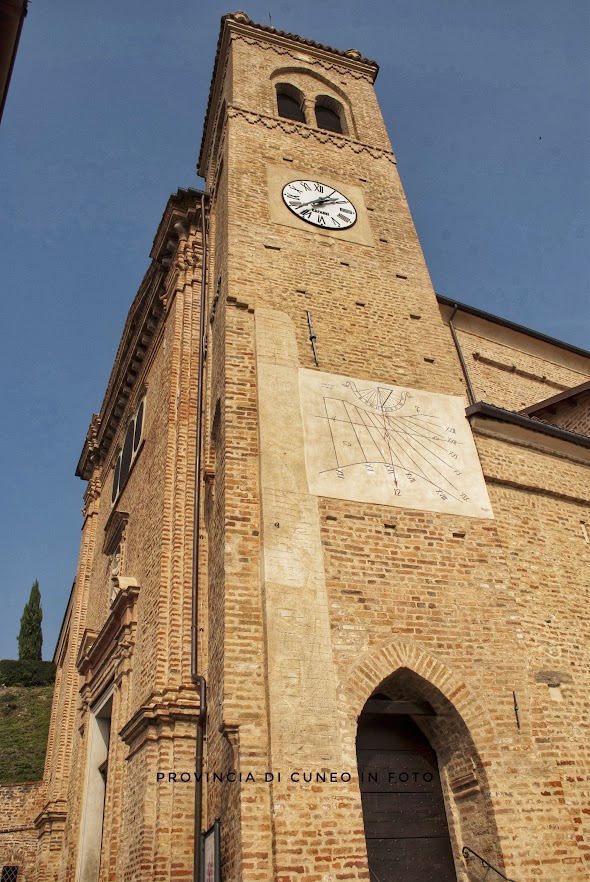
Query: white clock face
[319, 204]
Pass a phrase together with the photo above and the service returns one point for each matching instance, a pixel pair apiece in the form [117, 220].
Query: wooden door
[403, 810]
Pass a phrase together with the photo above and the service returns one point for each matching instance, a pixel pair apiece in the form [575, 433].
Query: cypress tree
[30, 638]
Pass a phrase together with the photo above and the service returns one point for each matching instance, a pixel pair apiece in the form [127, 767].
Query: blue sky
[487, 108]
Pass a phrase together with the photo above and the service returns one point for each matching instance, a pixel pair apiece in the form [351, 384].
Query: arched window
[328, 114]
[290, 102]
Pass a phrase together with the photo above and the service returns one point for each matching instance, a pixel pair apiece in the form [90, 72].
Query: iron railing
[466, 852]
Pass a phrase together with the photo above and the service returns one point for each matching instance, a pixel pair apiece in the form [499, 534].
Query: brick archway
[460, 732]
[377, 665]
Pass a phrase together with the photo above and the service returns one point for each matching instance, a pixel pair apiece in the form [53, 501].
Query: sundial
[374, 442]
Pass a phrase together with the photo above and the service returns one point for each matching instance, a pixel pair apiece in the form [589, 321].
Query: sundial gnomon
[380, 443]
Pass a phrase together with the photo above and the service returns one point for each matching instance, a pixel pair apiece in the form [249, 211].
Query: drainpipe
[197, 678]
[470, 392]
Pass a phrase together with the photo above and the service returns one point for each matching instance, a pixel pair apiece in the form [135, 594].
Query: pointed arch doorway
[406, 828]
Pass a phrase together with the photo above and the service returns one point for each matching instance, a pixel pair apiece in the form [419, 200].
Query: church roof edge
[142, 318]
[498, 320]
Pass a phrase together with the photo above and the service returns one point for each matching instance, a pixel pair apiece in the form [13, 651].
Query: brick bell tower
[336, 420]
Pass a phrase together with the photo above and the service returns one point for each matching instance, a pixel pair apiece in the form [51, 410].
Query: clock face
[319, 204]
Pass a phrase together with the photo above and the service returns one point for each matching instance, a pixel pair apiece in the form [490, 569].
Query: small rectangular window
[9, 874]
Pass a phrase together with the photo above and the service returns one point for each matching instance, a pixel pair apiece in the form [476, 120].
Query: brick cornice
[114, 529]
[142, 321]
[52, 816]
[96, 648]
[172, 716]
[349, 62]
[144, 318]
[304, 131]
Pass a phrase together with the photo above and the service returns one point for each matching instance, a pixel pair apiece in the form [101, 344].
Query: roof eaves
[557, 399]
[490, 411]
[488, 316]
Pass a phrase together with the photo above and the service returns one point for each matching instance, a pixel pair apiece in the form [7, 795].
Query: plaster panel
[301, 676]
[367, 441]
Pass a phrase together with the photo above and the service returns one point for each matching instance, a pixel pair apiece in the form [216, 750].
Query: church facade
[367, 653]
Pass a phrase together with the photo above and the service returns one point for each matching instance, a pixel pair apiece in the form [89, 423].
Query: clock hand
[323, 199]
[320, 200]
[304, 204]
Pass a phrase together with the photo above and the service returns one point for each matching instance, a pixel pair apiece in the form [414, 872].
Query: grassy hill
[24, 724]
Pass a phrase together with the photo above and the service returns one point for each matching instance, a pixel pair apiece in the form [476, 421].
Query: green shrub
[26, 673]
[24, 724]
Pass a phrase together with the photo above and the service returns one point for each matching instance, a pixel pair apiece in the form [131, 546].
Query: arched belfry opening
[290, 102]
[424, 791]
[329, 114]
[304, 95]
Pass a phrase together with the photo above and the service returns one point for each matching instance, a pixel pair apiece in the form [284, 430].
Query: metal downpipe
[470, 392]
[197, 678]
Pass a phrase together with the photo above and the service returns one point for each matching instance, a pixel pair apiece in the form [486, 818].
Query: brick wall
[19, 805]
